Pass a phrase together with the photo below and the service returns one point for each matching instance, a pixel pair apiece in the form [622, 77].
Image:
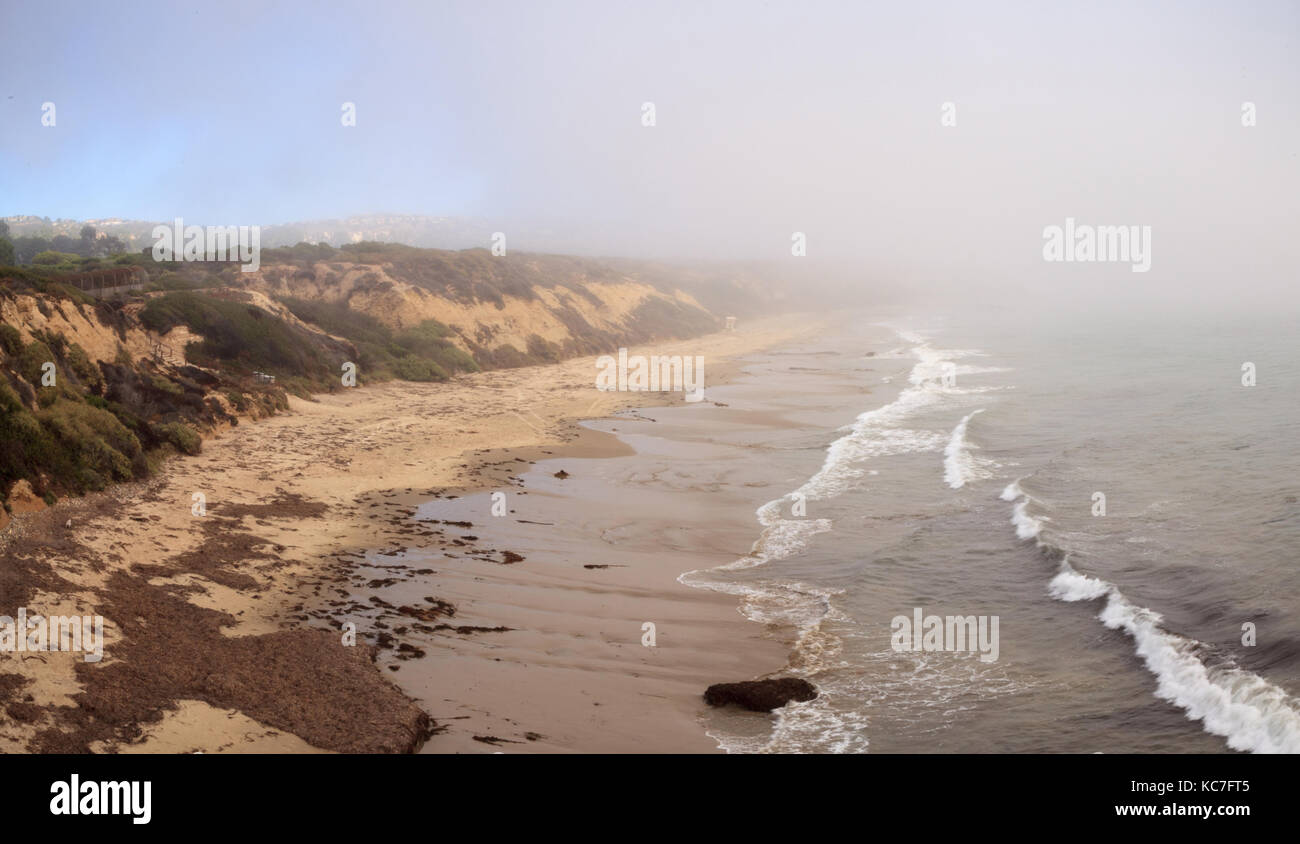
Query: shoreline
[577, 640]
[293, 502]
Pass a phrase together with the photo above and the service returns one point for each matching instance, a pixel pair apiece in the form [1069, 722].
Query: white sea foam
[875, 433]
[1247, 710]
[1027, 526]
[1069, 585]
[818, 726]
[960, 466]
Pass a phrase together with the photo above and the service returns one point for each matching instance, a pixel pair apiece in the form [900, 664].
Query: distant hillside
[193, 346]
[411, 229]
[502, 310]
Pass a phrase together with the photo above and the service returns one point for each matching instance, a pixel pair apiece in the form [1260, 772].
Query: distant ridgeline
[108, 363]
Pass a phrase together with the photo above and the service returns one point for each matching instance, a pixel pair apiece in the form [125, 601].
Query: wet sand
[576, 668]
[224, 630]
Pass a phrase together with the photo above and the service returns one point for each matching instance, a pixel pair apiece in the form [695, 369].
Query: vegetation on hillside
[243, 338]
[98, 422]
[420, 353]
[69, 425]
[467, 275]
[59, 250]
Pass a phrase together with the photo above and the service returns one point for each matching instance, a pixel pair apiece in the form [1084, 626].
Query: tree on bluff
[8, 257]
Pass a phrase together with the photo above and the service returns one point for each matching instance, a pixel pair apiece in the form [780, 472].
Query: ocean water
[966, 483]
[952, 465]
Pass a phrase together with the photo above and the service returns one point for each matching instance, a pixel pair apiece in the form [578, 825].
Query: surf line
[1241, 706]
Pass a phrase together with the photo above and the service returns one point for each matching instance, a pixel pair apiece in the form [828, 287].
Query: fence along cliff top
[102, 282]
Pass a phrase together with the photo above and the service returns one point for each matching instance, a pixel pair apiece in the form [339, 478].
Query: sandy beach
[226, 584]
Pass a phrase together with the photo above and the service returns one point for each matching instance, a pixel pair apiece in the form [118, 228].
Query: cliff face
[502, 311]
[33, 314]
[98, 391]
[87, 399]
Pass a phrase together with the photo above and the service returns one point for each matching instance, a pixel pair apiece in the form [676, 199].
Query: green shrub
[95, 447]
[165, 385]
[340, 320]
[379, 349]
[295, 386]
[25, 447]
[237, 333]
[9, 400]
[429, 340]
[67, 291]
[30, 360]
[10, 340]
[82, 366]
[54, 339]
[182, 436]
[62, 260]
[173, 281]
[418, 369]
[541, 349]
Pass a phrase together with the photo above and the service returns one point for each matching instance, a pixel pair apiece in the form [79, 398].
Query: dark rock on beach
[760, 695]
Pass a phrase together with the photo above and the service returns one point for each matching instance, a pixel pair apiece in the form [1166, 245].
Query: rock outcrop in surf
[760, 695]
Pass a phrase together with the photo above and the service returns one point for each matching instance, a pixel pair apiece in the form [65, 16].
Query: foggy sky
[772, 118]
